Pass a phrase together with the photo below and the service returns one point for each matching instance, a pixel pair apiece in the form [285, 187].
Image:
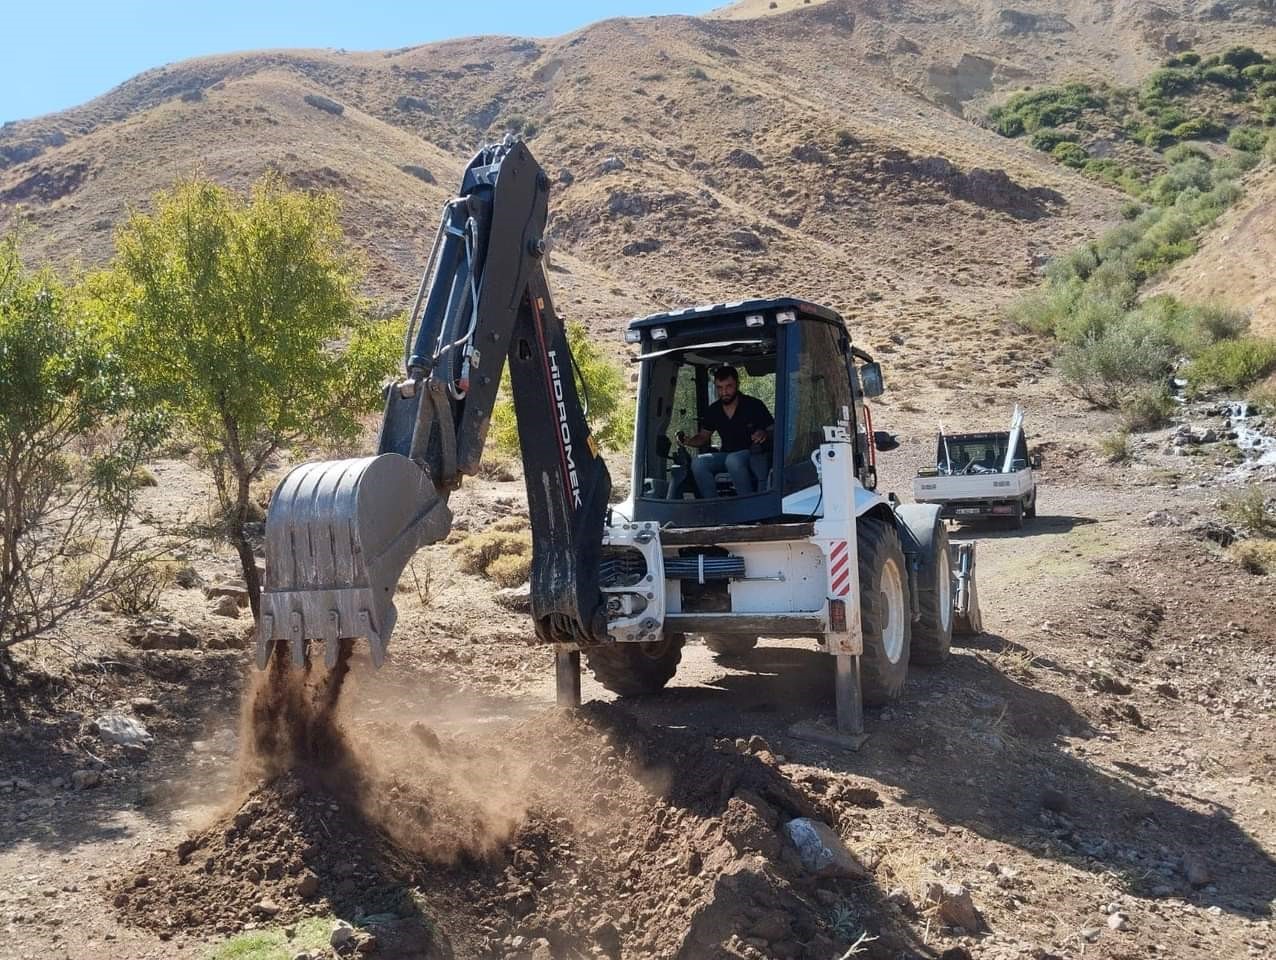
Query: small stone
[956, 907]
[86, 779]
[757, 744]
[121, 900]
[226, 607]
[1118, 921]
[341, 934]
[307, 885]
[1197, 871]
[126, 731]
[144, 706]
[266, 908]
[1091, 934]
[187, 578]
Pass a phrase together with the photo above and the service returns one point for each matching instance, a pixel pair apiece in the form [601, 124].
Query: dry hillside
[819, 151]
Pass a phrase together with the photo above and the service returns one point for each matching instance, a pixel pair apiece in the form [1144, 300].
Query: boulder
[226, 607]
[122, 730]
[955, 906]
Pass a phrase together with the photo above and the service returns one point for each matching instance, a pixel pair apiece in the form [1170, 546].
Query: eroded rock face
[992, 189]
[47, 183]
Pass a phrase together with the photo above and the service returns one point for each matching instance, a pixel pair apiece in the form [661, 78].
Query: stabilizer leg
[850, 703]
[567, 678]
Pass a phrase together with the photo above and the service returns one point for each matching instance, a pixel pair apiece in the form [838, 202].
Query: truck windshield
[984, 454]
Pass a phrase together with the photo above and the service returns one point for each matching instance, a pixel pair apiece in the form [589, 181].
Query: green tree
[601, 382]
[242, 319]
[70, 444]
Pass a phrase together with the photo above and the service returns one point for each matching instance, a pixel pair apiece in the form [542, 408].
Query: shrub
[1238, 58]
[71, 438]
[1106, 367]
[1255, 556]
[1070, 154]
[1077, 264]
[1232, 364]
[1250, 139]
[1115, 447]
[1048, 138]
[1131, 209]
[1224, 76]
[1169, 82]
[496, 554]
[137, 589]
[1193, 173]
[1248, 510]
[1267, 89]
[1185, 59]
[1047, 107]
[1262, 397]
[1259, 72]
[1147, 408]
[1184, 152]
[1170, 116]
[1200, 128]
[1044, 309]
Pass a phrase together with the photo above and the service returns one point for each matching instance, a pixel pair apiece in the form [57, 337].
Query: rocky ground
[1092, 776]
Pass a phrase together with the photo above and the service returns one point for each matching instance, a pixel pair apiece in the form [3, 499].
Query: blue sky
[58, 53]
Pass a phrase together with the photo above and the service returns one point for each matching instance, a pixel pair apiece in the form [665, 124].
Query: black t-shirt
[750, 414]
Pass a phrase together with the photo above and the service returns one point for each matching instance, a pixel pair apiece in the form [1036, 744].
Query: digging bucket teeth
[338, 535]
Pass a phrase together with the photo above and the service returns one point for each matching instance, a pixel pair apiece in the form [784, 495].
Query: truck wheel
[1016, 521]
[730, 644]
[884, 612]
[1030, 509]
[927, 539]
[632, 669]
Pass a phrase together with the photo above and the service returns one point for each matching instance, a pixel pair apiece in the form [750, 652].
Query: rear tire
[933, 630]
[633, 669]
[884, 612]
[1030, 510]
[730, 644]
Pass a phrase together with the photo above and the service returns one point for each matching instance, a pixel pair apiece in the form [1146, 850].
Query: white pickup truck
[982, 475]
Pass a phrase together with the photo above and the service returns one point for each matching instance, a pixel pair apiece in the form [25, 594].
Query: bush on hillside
[1147, 408]
[1232, 364]
[1169, 82]
[1258, 72]
[1240, 57]
[1199, 128]
[1031, 110]
[1070, 154]
[1108, 366]
[1187, 58]
[1224, 76]
[1047, 138]
[1249, 139]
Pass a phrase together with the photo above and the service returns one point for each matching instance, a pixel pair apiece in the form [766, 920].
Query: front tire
[730, 644]
[633, 669]
[933, 631]
[885, 614]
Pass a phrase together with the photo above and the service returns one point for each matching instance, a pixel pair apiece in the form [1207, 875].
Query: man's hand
[758, 436]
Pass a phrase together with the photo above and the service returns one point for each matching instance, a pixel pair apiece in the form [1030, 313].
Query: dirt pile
[585, 835]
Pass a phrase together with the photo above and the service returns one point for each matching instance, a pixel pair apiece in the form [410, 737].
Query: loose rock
[821, 850]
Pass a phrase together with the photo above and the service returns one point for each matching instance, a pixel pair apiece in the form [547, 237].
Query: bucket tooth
[265, 640]
[332, 639]
[297, 640]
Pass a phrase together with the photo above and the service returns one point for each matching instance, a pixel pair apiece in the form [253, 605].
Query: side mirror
[871, 380]
[1035, 460]
[884, 441]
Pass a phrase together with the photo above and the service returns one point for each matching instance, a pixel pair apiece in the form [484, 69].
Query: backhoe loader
[803, 546]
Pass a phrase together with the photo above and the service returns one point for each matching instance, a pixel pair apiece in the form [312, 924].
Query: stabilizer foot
[567, 678]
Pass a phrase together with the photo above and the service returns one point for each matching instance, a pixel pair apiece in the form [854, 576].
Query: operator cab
[792, 372]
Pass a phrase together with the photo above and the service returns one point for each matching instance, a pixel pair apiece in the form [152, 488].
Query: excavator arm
[339, 533]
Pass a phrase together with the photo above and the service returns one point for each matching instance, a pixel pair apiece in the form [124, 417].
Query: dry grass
[500, 555]
[1255, 556]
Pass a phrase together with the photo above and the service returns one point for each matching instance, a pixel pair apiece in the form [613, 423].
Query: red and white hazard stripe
[839, 569]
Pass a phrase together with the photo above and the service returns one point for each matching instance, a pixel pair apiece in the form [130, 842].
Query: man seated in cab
[745, 427]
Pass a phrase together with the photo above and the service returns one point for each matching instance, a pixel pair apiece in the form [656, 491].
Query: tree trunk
[237, 536]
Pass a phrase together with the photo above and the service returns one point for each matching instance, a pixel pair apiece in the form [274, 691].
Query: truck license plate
[968, 510]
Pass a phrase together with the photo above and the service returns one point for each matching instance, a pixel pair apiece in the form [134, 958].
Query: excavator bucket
[338, 535]
[966, 616]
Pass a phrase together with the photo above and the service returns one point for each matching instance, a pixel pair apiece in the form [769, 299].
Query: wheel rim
[893, 606]
[945, 590]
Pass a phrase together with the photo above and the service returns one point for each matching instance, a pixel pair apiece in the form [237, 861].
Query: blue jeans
[742, 465]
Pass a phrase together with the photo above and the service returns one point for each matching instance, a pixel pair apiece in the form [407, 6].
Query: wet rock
[226, 607]
[122, 730]
[86, 779]
[955, 906]
[821, 850]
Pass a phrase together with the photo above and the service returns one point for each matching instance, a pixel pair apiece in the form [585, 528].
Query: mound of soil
[626, 840]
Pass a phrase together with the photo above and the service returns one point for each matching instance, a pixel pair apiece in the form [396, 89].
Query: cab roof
[734, 308]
